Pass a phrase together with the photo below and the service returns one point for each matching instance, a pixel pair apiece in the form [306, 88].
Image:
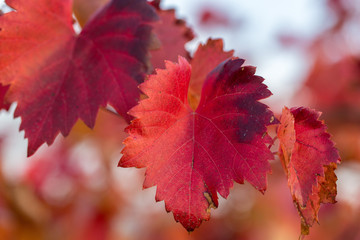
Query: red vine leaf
[309, 159]
[192, 155]
[57, 76]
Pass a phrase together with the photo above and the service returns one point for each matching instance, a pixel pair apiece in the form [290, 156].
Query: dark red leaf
[192, 155]
[57, 77]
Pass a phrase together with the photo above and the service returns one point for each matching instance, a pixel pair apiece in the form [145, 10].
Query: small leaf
[309, 159]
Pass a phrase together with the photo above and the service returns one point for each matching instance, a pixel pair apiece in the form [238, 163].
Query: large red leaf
[58, 76]
[192, 155]
[309, 159]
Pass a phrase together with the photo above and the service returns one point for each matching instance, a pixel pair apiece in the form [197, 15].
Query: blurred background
[309, 54]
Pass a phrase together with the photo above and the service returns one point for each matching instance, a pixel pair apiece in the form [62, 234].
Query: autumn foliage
[192, 155]
[57, 76]
[309, 159]
[196, 122]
